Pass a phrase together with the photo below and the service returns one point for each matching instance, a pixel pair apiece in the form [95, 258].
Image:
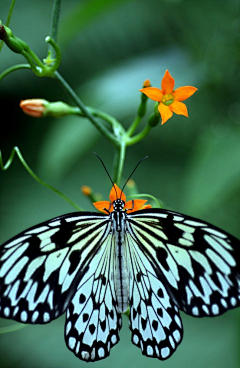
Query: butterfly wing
[154, 318]
[40, 268]
[198, 263]
[93, 323]
[177, 262]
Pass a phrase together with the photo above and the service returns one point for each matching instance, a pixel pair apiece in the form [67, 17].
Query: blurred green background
[109, 48]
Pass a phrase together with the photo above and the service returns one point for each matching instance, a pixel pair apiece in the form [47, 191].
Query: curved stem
[133, 126]
[31, 56]
[117, 128]
[16, 150]
[139, 136]
[36, 70]
[13, 68]
[57, 60]
[12, 328]
[144, 196]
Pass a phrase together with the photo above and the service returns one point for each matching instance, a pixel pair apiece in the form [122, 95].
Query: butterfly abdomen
[122, 278]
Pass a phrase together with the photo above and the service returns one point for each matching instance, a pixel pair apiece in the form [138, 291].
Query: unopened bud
[86, 190]
[146, 83]
[38, 107]
[14, 43]
[153, 120]
[3, 33]
[34, 107]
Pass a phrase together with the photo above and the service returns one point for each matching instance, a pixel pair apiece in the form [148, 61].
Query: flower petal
[146, 207]
[135, 205]
[103, 204]
[167, 83]
[116, 193]
[182, 93]
[179, 108]
[165, 112]
[154, 93]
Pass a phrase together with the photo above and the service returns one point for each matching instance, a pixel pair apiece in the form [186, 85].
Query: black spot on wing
[92, 328]
[139, 274]
[143, 323]
[85, 317]
[82, 298]
[162, 255]
[74, 259]
[61, 237]
[103, 325]
[160, 293]
[160, 312]
[155, 325]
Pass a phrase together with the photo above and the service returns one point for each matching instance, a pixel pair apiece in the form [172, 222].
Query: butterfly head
[118, 205]
[118, 202]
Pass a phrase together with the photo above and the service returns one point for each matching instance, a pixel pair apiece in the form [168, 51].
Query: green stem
[8, 19]
[144, 196]
[31, 56]
[12, 328]
[10, 12]
[133, 126]
[137, 138]
[58, 55]
[55, 19]
[85, 111]
[16, 150]
[119, 162]
[36, 70]
[13, 68]
[116, 126]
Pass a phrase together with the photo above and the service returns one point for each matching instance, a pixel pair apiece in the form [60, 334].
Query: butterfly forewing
[198, 263]
[40, 268]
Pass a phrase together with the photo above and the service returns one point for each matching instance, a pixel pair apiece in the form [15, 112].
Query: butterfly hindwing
[93, 322]
[40, 268]
[154, 319]
[198, 263]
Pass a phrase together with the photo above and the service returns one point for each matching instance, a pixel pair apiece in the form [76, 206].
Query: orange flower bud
[86, 190]
[131, 183]
[34, 107]
[146, 83]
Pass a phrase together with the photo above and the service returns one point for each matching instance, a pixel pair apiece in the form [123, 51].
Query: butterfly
[131, 258]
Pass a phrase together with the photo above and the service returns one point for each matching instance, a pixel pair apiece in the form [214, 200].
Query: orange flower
[130, 206]
[168, 98]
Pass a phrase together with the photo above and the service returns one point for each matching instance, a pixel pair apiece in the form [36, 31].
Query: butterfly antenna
[144, 158]
[106, 171]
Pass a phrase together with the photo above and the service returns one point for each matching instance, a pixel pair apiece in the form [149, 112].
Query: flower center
[167, 99]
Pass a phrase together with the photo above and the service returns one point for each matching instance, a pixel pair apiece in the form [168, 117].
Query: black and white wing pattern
[154, 318]
[65, 264]
[177, 262]
[174, 262]
[93, 322]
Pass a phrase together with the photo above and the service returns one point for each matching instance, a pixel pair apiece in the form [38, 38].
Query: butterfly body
[122, 277]
[93, 266]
